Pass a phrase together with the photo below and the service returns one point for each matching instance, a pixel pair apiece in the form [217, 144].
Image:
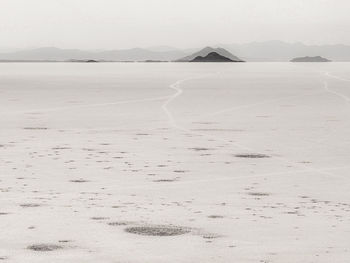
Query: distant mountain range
[310, 59]
[281, 51]
[257, 51]
[206, 51]
[212, 57]
[57, 54]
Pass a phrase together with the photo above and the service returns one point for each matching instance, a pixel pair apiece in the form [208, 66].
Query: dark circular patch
[210, 236]
[198, 149]
[164, 180]
[35, 128]
[157, 230]
[99, 218]
[64, 241]
[258, 194]
[119, 223]
[79, 181]
[30, 205]
[252, 155]
[215, 216]
[44, 247]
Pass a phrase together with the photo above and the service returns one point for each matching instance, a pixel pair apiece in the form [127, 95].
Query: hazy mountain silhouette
[256, 51]
[207, 50]
[281, 51]
[211, 57]
[46, 53]
[310, 59]
[57, 54]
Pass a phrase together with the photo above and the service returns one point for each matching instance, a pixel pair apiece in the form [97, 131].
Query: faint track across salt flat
[88, 105]
[171, 120]
[326, 87]
[336, 77]
[176, 86]
[178, 92]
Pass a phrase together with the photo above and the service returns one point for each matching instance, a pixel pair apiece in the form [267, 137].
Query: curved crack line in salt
[336, 77]
[326, 87]
[171, 119]
[173, 123]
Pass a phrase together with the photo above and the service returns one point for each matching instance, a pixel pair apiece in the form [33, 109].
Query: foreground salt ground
[175, 162]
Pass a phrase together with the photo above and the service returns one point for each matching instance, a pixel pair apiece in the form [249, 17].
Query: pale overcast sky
[109, 24]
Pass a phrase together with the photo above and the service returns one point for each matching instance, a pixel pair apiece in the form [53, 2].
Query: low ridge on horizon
[310, 59]
[206, 51]
[269, 51]
[213, 57]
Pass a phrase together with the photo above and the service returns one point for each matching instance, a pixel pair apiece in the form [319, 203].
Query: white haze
[114, 24]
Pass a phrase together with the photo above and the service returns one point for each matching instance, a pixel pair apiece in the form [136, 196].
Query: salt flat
[174, 162]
